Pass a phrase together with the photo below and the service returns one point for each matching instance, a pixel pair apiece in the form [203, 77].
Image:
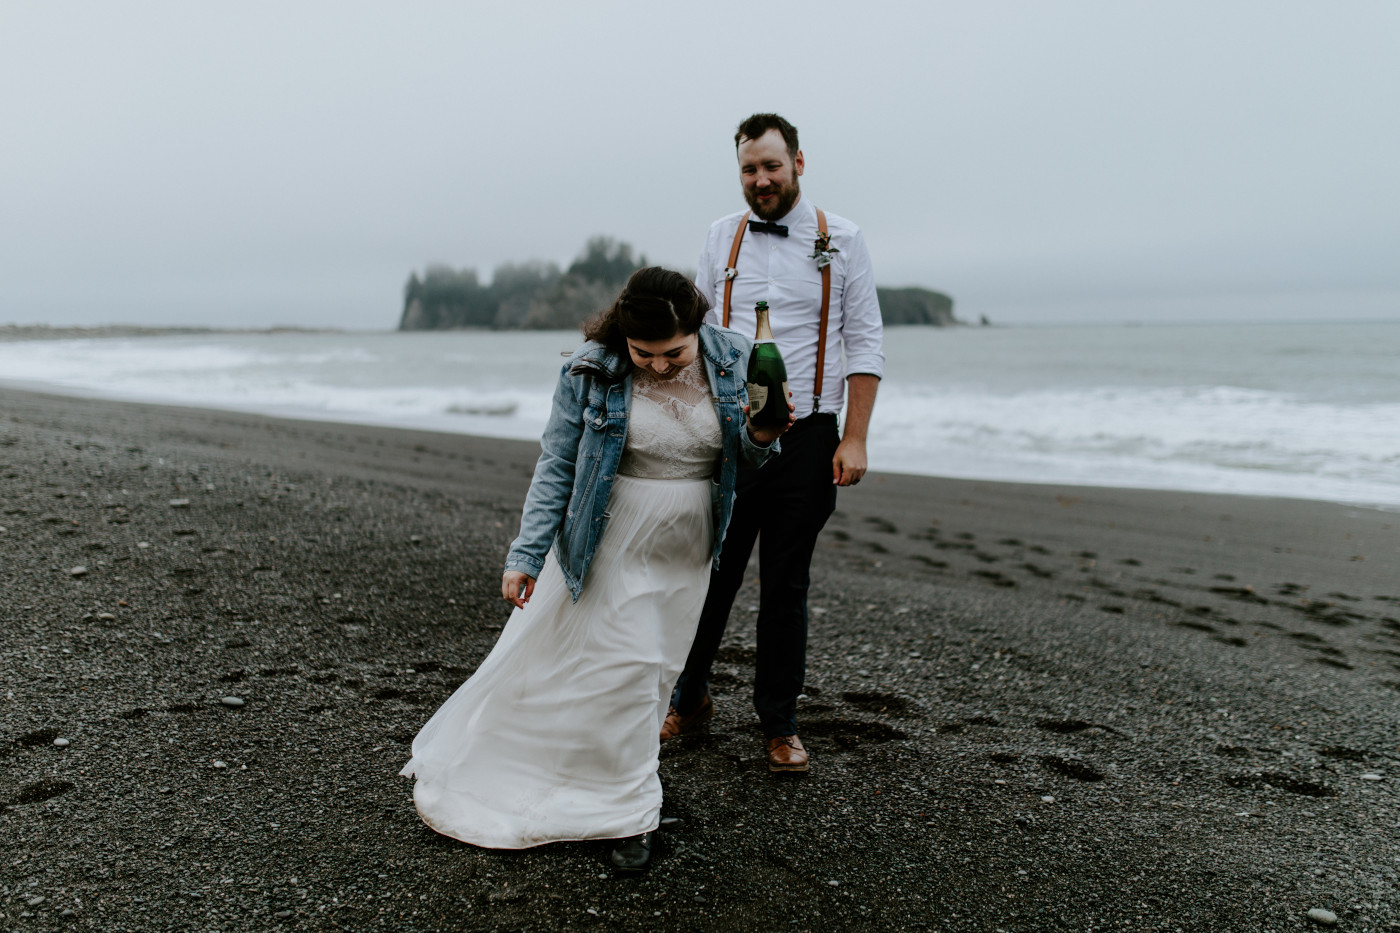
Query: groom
[813, 270]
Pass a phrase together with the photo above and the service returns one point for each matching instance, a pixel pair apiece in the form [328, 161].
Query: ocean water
[1299, 410]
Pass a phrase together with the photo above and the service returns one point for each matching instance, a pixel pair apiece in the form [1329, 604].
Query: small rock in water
[233, 702]
[1324, 917]
[78, 571]
[179, 503]
[62, 743]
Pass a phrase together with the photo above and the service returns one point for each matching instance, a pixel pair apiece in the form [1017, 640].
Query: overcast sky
[253, 163]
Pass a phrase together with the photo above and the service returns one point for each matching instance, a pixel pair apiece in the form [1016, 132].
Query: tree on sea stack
[532, 294]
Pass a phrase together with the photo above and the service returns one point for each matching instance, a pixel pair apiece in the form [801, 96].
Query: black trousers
[784, 506]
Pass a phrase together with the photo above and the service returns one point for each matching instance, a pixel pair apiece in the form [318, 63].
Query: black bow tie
[763, 226]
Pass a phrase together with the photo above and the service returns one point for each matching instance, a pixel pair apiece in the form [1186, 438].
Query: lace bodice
[673, 431]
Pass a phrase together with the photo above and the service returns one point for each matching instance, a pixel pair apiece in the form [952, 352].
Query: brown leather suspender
[821, 331]
[732, 271]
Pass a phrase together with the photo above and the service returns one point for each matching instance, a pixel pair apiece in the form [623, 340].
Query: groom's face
[768, 174]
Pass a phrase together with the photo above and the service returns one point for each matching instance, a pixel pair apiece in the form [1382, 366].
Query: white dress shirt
[779, 270]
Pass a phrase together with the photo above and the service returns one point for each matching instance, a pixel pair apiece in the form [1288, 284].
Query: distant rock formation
[916, 306]
[538, 296]
[527, 296]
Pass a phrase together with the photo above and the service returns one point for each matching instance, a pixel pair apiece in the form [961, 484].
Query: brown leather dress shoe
[785, 753]
[676, 724]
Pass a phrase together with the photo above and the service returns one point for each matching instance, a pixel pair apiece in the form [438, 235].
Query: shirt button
[727, 418]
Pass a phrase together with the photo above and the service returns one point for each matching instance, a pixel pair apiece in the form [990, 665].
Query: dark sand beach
[1029, 707]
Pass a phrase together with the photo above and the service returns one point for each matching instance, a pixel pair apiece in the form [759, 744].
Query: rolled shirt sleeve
[862, 328]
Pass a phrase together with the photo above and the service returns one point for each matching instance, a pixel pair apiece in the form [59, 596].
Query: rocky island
[540, 296]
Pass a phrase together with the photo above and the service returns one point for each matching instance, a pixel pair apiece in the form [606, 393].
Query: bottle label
[758, 398]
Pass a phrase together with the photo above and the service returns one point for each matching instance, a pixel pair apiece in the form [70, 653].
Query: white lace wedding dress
[555, 737]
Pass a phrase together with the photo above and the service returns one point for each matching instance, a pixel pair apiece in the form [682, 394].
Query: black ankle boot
[633, 854]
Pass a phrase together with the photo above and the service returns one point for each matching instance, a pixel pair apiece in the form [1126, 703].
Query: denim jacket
[567, 505]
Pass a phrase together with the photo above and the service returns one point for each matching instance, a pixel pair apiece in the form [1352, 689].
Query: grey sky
[256, 162]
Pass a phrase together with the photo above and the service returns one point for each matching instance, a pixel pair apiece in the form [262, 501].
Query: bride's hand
[766, 436]
[512, 583]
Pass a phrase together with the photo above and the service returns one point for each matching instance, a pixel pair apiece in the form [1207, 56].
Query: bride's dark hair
[655, 304]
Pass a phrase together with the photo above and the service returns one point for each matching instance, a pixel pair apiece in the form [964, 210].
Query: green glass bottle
[768, 388]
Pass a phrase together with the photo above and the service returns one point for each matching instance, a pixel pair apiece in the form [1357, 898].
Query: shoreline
[1029, 707]
[309, 418]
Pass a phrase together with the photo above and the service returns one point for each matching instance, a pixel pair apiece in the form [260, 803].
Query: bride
[556, 735]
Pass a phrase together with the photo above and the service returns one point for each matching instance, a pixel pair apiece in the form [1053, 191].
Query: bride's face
[665, 358]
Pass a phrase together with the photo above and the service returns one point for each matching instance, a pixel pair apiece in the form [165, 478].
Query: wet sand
[1029, 707]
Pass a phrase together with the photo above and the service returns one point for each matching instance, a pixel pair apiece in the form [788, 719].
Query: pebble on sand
[79, 571]
[233, 702]
[62, 743]
[1372, 776]
[221, 764]
[1324, 917]
[179, 503]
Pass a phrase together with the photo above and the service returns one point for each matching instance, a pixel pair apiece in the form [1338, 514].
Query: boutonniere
[823, 249]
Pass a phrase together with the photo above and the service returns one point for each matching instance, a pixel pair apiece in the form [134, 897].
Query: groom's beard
[787, 196]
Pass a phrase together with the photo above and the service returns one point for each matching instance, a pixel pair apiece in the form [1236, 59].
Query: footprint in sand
[881, 525]
[847, 733]
[994, 578]
[1342, 753]
[37, 792]
[1063, 726]
[1333, 662]
[876, 702]
[1198, 626]
[1070, 767]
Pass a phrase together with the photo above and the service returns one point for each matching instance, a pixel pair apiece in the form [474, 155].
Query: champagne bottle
[768, 388]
